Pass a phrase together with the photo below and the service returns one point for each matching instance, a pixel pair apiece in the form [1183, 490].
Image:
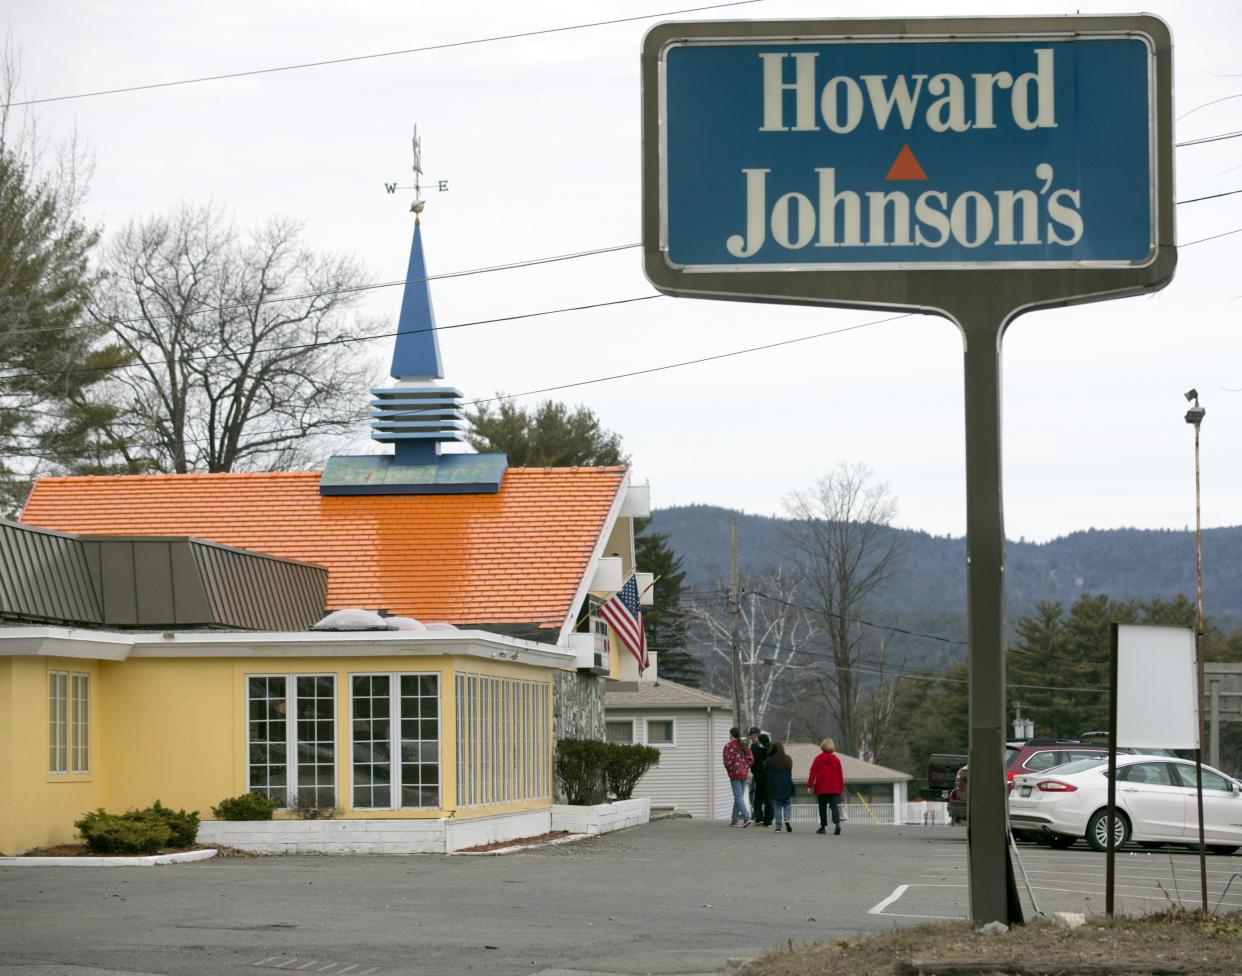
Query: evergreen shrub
[134, 832]
[624, 766]
[182, 826]
[580, 769]
[248, 806]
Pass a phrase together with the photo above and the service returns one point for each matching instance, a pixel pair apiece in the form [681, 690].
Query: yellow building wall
[175, 729]
[37, 808]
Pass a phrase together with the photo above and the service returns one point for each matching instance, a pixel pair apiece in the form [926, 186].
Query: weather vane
[419, 203]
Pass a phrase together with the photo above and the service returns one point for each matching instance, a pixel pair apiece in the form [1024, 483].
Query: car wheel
[1097, 830]
[1061, 841]
[1223, 849]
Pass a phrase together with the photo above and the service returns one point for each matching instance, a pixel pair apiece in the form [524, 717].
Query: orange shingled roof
[516, 556]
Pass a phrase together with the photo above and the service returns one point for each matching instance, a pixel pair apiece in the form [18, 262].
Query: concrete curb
[572, 839]
[107, 862]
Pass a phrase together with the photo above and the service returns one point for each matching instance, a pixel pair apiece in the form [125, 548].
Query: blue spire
[416, 354]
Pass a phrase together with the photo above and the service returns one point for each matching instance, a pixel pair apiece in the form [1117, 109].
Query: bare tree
[235, 340]
[841, 535]
[774, 631]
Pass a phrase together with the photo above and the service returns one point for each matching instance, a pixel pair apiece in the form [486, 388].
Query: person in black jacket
[779, 769]
[760, 806]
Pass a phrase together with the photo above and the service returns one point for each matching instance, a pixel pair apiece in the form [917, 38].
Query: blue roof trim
[416, 353]
[383, 474]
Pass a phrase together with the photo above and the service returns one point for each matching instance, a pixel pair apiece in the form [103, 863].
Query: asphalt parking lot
[672, 897]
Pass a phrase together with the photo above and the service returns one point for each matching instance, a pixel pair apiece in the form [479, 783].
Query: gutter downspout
[711, 766]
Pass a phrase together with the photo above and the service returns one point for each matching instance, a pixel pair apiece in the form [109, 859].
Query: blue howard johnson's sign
[927, 152]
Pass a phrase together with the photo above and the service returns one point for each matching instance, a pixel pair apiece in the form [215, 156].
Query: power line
[858, 620]
[905, 674]
[678, 365]
[1216, 138]
[370, 57]
[343, 340]
[1228, 233]
[488, 269]
[599, 379]
[277, 299]
[1212, 196]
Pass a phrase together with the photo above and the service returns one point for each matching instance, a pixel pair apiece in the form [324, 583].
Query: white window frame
[394, 737]
[672, 720]
[69, 723]
[292, 783]
[619, 721]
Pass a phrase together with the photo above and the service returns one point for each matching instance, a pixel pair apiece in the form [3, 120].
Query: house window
[291, 738]
[661, 732]
[395, 741]
[619, 730]
[69, 722]
[503, 740]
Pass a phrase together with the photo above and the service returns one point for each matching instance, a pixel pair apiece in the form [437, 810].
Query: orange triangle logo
[905, 167]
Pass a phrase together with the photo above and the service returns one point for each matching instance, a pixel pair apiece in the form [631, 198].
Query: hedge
[588, 769]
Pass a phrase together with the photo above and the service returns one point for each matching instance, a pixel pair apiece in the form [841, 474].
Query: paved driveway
[676, 896]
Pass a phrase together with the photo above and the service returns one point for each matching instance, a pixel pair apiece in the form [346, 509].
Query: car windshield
[1077, 766]
[1010, 752]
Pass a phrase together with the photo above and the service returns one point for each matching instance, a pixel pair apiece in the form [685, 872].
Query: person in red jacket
[737, 763]
[827, 782]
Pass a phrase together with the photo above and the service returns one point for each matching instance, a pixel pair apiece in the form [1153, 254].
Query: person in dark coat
[779, 769]
[827, 782]
[760, 806]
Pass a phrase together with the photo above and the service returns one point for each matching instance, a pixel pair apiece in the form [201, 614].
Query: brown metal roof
[44, 578]
[124, 582]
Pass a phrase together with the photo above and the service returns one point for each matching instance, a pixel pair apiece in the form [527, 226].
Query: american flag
[626, 619]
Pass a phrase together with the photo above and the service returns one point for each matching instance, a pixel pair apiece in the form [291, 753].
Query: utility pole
[735, 623]
[1195, 416]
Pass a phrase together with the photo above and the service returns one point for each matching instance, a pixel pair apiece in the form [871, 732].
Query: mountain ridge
[1138, 564]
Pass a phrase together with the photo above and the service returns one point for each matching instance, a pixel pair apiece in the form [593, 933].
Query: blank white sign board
[1157, 703]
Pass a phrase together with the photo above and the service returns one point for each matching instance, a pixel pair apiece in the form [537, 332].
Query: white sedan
[1155, 801]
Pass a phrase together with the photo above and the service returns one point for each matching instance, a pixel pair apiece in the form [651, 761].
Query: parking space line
[879, 907]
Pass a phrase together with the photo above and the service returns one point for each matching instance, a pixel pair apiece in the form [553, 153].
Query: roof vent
[351, 619]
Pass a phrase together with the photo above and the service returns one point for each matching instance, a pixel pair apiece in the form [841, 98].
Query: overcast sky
[538, 138]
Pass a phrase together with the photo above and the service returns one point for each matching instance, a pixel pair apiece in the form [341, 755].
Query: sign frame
[982, 302]
[924, 286]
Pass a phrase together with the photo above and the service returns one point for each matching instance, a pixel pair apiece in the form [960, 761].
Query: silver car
[1155, 801]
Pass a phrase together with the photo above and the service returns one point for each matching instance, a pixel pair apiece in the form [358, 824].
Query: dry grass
[1204, 943]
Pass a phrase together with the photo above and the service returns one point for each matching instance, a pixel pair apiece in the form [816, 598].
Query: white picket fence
[926, 814]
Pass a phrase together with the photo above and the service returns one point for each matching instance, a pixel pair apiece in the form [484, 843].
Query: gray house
[690, 728]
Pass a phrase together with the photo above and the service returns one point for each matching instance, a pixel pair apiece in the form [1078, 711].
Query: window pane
[660, 732]
[79, 730]
[316, 782]
[370, 765]
[620, 732]
[419, 738]
[266, 746]
[58, 722]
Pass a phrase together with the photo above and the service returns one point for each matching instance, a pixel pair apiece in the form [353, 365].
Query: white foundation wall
[441, 836]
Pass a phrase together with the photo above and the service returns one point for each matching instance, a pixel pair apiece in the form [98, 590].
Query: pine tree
[48, 357]
[666, 622]
[550, 435]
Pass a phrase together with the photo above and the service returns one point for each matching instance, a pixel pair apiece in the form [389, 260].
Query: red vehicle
[1031, 756]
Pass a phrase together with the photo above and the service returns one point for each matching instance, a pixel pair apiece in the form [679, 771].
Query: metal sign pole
[993, 892]
[1110, 855]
